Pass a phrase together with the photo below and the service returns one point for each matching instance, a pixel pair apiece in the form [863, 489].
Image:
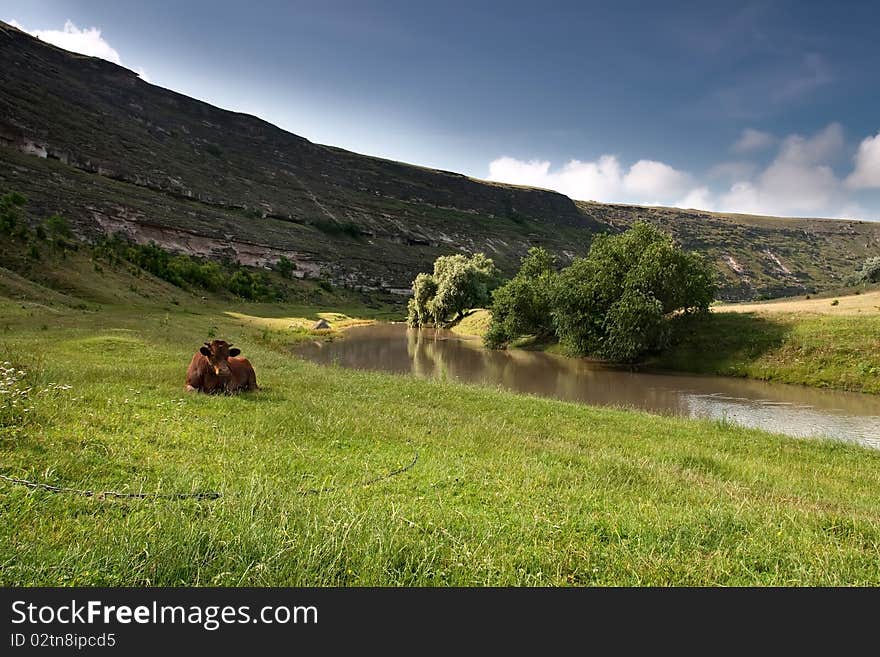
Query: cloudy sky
[765, 107]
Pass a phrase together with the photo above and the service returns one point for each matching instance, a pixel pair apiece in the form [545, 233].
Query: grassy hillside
[90, 140]
[831, 342]
[506, 489]
[759, 256]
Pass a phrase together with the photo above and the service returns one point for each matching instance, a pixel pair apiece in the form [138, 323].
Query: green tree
[523, 305]
[869, 272]
[615, 303]
[458, 283]
[424, 288]
[635, 324]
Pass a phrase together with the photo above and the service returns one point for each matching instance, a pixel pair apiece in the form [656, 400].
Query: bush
[57, 226]
[869, 273]
[332, 227]
[10, 212]
[185, 271]
[285, 266]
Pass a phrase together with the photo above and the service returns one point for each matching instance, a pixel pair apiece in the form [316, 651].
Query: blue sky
[769, 107]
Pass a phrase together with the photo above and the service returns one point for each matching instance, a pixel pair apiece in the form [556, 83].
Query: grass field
[507, 489]
[827, 342]
[829, 303]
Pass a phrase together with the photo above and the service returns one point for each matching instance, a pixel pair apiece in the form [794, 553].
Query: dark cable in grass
[205, 495]
[368, 482]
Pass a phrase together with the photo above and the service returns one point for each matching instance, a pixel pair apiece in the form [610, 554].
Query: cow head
[218, 353]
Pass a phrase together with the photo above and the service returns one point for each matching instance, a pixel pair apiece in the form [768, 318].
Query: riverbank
[813, 342]
[506, 490]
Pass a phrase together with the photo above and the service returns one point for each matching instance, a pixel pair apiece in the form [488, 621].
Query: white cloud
[799, 181]
[651, 178]
[699, 198]
[601, 180]
[824, 145]
[86, 41]
[751, 140]
[867, 171]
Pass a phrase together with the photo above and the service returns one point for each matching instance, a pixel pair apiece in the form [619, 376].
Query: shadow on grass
[720, 342]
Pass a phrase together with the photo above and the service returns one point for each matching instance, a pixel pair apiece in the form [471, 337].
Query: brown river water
[794, 410]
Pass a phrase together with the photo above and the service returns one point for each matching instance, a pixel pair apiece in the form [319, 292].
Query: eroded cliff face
[92, 141]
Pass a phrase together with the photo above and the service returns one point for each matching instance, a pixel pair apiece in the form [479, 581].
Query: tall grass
[508, 490]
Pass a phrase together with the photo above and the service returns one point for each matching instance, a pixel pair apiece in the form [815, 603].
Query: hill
[92, 141]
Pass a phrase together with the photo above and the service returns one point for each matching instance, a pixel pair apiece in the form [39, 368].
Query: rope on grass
[100, 495]
[363, 484]
[204, 495]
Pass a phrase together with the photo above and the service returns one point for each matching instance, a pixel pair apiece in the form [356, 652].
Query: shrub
[186, 271]
[285, 266]
[11, 205]
[332, 227]
[57, 226]
[870, 271]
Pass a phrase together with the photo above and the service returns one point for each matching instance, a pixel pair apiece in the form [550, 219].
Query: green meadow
[506, 489]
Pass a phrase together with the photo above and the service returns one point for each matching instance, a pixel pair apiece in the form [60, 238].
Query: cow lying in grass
[215, 368]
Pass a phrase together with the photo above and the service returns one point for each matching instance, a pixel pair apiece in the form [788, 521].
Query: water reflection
[428, 353]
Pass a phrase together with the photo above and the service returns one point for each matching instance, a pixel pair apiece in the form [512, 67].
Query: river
[794, 410]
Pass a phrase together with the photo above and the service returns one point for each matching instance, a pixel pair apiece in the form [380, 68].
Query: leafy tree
[424, 288]
[614, 303]
[523, 305]
[458, 283]
[635, 324]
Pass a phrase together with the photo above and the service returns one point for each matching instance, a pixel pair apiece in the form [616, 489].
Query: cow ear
[235, 351]
[205, 351]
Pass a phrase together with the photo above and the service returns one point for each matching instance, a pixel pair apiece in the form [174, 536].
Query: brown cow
[215, 368]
